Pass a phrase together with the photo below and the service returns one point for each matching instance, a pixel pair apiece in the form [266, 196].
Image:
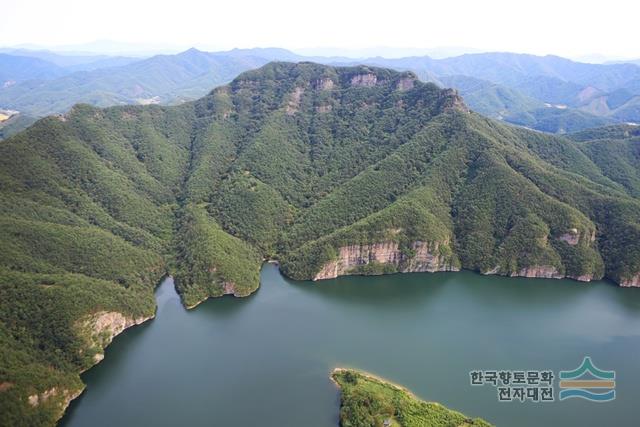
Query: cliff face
[539, 271]
[423, 257]
[99, 329]
[633, 282]
[102, 327]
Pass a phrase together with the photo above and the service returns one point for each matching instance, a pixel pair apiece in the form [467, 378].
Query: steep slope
[350, 170]
[616, 151]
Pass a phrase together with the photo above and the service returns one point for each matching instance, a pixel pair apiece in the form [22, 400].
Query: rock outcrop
[323, 84]
[539, 271]
[364, 80]
[60, 397]
[405, 83]
[572, 237]
[294, 101]
[67, 396]
[632, 282]
[450, 100]
[100, 329]
[229, 289]
[423, 257]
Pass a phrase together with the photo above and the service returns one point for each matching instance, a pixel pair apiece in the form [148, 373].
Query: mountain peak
[191, 52]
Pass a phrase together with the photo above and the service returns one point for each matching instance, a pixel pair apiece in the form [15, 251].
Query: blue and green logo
[588, 382]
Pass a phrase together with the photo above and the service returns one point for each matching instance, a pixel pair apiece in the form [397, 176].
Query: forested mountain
[513, 106]
[160, 79]
[330, 170]
[549, 93]
[574, 95]
[616, 151]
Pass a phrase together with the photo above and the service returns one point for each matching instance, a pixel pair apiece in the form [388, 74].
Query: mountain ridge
[570, 96]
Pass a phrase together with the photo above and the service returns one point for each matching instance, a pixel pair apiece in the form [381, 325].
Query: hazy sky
[544, 26]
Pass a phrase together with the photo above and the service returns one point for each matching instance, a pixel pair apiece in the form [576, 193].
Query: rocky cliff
[632, 282]
[419, 257]
[100, 329]
[540, 272]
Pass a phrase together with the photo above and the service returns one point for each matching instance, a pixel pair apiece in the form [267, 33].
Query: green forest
[290, 162]
[367, 401]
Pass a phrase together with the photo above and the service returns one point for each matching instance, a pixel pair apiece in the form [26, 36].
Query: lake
[265, 360]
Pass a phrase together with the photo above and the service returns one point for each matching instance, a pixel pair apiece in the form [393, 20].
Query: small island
[367, 400]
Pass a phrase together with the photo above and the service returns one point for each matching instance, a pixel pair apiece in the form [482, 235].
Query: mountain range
[326, 170]
[549, 93]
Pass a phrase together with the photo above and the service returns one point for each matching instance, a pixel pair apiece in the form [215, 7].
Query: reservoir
[265, 360]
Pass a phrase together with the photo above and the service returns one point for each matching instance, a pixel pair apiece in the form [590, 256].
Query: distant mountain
[15, 69]
[15, 124]
[76, 62]
[387, 52]
[599, 93]
[625, 61]
[491, 99]
[546, 93]
[160, 79]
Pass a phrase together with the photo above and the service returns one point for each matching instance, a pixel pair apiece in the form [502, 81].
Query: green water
[265, 360]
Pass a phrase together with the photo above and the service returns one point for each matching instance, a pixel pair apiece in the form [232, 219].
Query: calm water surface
[265, 360]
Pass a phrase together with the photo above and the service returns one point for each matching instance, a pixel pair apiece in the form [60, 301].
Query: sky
[567, 28]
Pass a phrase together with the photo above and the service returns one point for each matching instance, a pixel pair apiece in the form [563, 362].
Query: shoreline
[76, 394]
[374, 377]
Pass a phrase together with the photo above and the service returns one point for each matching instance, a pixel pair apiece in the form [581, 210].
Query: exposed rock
[631, 282]
[323, 84]
[294, 102]
[405, 83]
[424, 258]
[229, 288]
[494, 270]
[364, 80]
[104, 326]
[450, 100]
[41, 398]
[582, 278]
[540, 271]
[64, 396]
[67, 397]
[572, 237]
[37, 399]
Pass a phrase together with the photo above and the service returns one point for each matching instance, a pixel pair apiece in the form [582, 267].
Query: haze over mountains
[548, 93]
